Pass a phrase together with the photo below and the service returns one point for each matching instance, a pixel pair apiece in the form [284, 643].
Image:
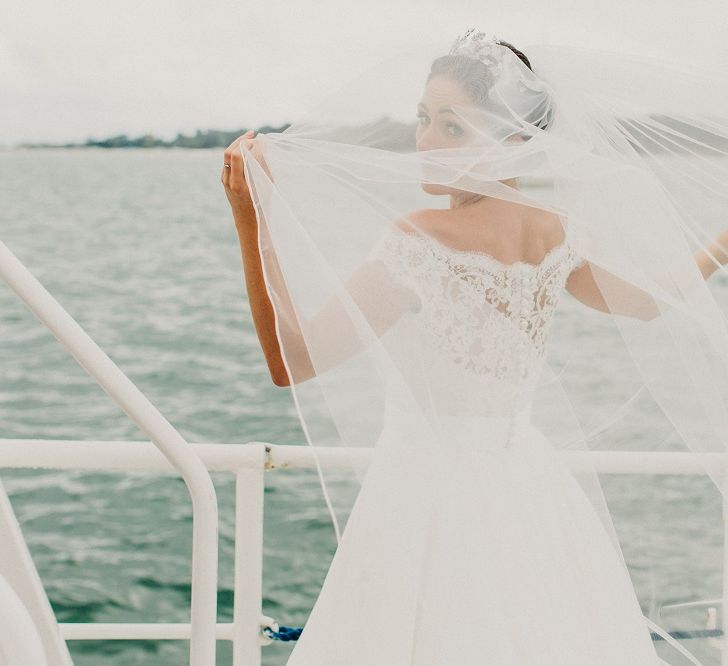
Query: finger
[230, 153]
[258, 154]
[227, 160]
[233, 175]
[225, 174]
[226, 167]
[237, 166]
[234, 146]
[230, 150]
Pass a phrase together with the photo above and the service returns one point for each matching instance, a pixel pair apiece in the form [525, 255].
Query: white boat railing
[249, 463]
[203, 606]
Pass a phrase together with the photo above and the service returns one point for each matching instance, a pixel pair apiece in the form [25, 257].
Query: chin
[435, 188]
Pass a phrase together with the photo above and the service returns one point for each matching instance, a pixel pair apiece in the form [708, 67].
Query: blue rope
[283, 633]
[293, 634]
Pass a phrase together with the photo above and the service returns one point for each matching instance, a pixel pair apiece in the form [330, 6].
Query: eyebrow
[443, 109]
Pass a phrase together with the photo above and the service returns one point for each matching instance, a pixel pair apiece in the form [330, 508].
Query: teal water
[139, 247]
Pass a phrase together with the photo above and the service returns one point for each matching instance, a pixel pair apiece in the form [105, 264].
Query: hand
[722, 242]
[233, 176]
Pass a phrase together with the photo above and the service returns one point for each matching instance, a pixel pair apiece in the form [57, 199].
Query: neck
[463, 198]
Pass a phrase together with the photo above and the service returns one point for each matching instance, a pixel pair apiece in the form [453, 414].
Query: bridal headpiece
[481, 46]
[514, 91]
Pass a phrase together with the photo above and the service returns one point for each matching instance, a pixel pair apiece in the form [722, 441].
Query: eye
[422, 116]
[454, 130]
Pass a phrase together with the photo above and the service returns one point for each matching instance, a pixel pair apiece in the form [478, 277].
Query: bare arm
[583, 283]
[260, 305]
[246, 225]
[381, 300]
[705, 263]
[331, 331]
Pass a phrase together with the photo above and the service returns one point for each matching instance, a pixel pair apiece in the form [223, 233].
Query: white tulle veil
[629, 154]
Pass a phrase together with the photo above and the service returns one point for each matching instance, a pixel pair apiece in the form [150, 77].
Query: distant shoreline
[200, 139]
[381, 132]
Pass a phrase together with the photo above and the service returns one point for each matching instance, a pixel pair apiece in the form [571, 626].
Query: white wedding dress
[491, 554]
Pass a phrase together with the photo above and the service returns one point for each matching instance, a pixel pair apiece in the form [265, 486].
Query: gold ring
[226, 165]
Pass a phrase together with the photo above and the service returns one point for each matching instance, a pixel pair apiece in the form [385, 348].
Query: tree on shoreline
[200, 139]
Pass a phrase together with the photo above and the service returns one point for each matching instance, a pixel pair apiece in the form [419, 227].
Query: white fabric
[408, 585]
[29, 631]
[471, 306]
[20, 642]
[417, 230]
[519, 587]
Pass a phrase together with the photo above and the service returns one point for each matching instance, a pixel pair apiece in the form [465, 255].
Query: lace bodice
[486, 317]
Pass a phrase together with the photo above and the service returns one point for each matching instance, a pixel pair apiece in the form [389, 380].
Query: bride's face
[440, 126]
[448, 118]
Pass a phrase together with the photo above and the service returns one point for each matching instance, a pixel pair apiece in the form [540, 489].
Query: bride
[426, 335]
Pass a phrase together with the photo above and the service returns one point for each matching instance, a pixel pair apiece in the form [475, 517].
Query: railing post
[724, 606]
[248, 586]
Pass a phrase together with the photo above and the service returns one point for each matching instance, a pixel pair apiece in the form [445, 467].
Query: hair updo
[476, 78]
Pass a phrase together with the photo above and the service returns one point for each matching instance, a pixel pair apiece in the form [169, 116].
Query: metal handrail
[203, 611]
[141, 455]
[249, 462]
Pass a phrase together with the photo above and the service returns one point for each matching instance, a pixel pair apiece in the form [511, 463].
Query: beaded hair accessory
[481, 46]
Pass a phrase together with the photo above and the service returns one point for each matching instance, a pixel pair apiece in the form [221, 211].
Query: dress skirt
[491, 556]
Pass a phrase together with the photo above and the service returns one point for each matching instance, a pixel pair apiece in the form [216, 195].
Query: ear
[516, 138]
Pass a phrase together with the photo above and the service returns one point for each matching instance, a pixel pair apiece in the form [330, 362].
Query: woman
[421, 332]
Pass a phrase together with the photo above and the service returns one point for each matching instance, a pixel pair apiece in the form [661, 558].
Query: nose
[422, 141]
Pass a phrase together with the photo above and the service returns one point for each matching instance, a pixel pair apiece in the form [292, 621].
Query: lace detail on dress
[488, 317]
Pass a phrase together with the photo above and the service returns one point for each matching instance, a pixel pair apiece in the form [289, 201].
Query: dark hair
[520, 54]
[477, 79]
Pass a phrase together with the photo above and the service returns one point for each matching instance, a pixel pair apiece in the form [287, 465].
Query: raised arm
[584, 284]
[380, 299]
[703, 258]
[241, 204]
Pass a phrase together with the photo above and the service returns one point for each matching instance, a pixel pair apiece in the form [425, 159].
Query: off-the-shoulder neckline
[433, 242]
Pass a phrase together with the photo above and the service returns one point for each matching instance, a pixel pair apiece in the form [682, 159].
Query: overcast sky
[88, 68]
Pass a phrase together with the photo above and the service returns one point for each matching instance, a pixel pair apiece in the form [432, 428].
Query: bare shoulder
[421, 219]
[547, 226]
[539, 231]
